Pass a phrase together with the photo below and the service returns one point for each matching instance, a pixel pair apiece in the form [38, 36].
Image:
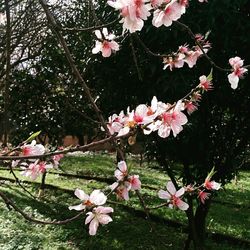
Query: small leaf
[212, 172]
[210, 76]
[33, 136]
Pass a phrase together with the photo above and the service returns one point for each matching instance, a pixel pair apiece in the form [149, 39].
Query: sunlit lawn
[127, 231]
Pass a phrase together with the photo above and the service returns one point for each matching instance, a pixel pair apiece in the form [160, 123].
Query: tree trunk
[200, 220]
[42, 186]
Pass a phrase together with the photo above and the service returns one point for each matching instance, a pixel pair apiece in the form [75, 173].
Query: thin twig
[95, 27]
[10, 203]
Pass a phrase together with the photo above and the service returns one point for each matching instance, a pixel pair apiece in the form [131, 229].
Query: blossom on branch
[211, 185]
[32, 149]
[96, 198]
[205, 83]
[133, 12]
[172, 121]
[35, 169]
[168, 12]
[125, 182]
[238, 71]
[203, 196]
[186, 54]
[173, 196]
[105, 43]
[99, 215]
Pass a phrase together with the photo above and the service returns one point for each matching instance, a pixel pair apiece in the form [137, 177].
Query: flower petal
[180, 192]
[182, 205]
[97, 197]
[77, 207]
[164, 195]
[89, 217]
[93, 226]
[81, 194]
[104, 219]
[171, 188]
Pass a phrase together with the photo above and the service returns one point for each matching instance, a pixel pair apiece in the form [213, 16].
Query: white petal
[104, 219]
[98, 34]
[97, 197]
[122, 166]
[89, 217]
[104, 210]
[77, 207]
[81, 195]
[182, 205]
[114, 186]
[171, 188]
[233, 80]
[93, 226]
[164, 195]
[180, 192]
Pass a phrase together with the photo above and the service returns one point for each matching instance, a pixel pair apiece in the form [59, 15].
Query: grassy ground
[127, 231]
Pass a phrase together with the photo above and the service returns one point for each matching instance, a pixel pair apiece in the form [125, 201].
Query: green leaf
[210, 76]
[212, 172]
[33, 136]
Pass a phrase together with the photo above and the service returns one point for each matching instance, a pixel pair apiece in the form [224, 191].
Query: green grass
[127, 231]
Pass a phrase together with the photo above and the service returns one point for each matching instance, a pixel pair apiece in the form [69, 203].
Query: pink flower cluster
[98, 214]
[135, 12]
[158, 116]
[208, 185]
[238, 71]
[105, 43]
[204, 190]
[186, 55]
[161, 117]
[174, 197]
[33, 168]
[124, 182]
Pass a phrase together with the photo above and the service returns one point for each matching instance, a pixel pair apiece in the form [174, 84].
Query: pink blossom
[133, 13]
[190, 107]
[211, 185]
[43, 166]
[203, 196]
[124, 182]
[175, 61]
[116, 123]
[98, 216]
[196, 96]
[170, 13]
[122, 190]
[35, 169]
[172, 120]
[238, 71]
[135, 182]
[96, 198]
[143, 115]
[122, 171]
[205, 84]
[57, 158]
[33, 149]
[31, 171]
[192, 57]
[105, 43]
[173, 196]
